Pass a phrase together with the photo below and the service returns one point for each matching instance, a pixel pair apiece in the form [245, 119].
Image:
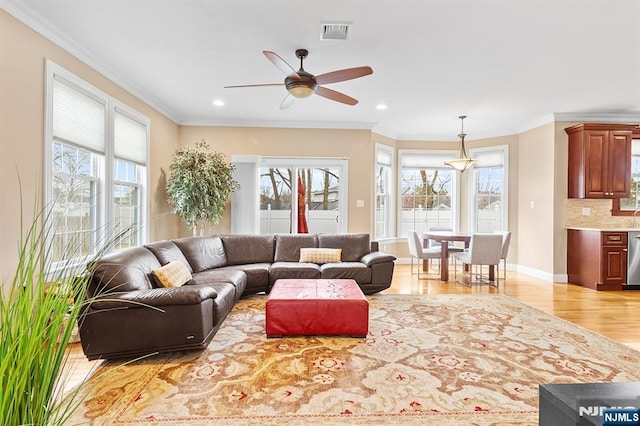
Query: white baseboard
[536, 273]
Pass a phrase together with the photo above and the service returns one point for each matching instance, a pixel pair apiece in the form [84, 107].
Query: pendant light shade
[461, 164]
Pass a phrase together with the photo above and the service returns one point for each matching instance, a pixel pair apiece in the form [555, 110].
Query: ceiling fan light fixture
[461, 164]
[300, 91]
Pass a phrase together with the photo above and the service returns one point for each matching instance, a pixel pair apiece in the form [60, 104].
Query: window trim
[247, 173]
[456, 186]
[390, 210]
[505, 185]
[617, 211]
[104, 170]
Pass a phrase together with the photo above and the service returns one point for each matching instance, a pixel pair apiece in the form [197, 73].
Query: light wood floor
[614, 314]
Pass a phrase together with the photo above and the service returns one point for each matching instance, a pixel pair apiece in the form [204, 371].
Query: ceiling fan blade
[343, 75]
[281, 64]
[254, 85]
[335, 96]
[287, 101]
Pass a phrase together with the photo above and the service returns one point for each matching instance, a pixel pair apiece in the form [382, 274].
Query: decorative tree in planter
[199, 185]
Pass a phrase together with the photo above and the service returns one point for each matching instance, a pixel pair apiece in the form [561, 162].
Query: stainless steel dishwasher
[633, 259]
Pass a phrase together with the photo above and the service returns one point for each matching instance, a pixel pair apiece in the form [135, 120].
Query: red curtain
[302, 216]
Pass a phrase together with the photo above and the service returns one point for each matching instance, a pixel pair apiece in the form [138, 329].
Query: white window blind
[77, 117]
[130, 139]
[489, 158]
[384, 157]
[422, 160]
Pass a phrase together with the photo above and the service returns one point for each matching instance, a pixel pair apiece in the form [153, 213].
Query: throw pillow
[320, 255]
[173, 274]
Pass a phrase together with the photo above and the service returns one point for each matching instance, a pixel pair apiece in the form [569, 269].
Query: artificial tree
[200, 184]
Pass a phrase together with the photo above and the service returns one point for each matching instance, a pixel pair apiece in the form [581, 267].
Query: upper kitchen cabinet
[600, 160]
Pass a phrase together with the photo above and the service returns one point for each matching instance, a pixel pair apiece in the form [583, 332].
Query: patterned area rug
[446, 359]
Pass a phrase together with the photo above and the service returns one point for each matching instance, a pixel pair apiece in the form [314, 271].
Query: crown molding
[621, 118]
[348, 125]
[33, 20]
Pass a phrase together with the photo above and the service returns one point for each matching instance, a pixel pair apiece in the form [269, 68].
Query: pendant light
[461, 164]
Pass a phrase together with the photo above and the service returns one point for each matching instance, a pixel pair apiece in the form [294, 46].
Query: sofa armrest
[377, 257]
[156, 297]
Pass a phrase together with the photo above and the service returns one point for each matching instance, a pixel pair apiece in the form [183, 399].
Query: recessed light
[381, 107]
[218, 103]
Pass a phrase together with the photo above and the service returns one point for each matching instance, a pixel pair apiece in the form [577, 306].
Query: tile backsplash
[599, 214]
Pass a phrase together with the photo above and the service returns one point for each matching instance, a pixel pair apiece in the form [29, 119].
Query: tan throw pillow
[320, 255]
[173, 274]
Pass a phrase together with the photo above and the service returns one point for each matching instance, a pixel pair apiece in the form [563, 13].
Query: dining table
[445, 238]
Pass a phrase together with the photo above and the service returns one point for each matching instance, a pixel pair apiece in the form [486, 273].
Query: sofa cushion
[244, 249]
[222, 275]
[173, 274]
[124, 270]
[257, 276]
[354, 246]
[166, 251]
[202, 253]
[356, 271]
[290, 270]
[320, 255]
[225, 300]
[288, 246]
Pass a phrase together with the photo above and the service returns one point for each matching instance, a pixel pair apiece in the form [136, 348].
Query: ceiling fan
[301, 84]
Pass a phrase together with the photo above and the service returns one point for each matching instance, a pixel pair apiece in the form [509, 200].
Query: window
[489, 199]
[286, 195]
[428, 191]
[383, 196]
[95, 168]
[129, 176]
[627, 206]
[74, 200]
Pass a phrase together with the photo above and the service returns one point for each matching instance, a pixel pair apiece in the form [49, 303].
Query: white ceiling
[507, 64]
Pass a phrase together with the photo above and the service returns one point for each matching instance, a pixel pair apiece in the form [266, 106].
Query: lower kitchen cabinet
[597, 259]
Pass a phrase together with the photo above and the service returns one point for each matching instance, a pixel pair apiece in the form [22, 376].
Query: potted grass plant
[39, 309]
[199, 185]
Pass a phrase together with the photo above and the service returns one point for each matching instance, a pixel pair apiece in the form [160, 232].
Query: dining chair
[484, 249]
[417, 251]
[506, 239]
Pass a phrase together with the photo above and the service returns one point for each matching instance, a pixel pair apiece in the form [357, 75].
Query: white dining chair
[506, 239]
[484, 249]
[417, 251]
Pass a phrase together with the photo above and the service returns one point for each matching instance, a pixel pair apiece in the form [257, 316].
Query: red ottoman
[316, 307]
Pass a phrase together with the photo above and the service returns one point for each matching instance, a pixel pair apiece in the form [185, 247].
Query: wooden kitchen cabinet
[597, 259]
[599, 160]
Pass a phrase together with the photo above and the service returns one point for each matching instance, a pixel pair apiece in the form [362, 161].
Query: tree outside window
[426, 199]
[320, 186]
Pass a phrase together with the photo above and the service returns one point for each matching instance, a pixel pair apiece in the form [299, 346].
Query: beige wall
[354, 145]
[536, 199]
[22, 61]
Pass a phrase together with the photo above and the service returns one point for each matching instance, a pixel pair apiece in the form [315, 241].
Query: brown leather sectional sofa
[128, 314]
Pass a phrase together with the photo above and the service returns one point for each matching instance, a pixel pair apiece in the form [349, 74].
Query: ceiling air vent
[335, 31]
